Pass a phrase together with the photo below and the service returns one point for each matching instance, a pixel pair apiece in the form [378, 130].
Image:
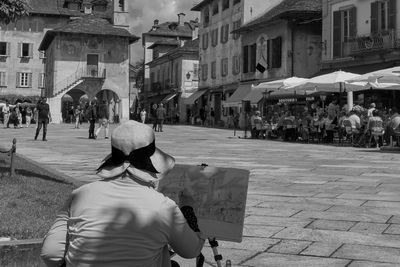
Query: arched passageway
[113, 103]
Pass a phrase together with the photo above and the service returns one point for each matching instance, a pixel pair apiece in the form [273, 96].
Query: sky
[144, 12]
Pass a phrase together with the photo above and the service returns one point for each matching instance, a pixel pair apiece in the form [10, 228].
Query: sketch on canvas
[218, 197]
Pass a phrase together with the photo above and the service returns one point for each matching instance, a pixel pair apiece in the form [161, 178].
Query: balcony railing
[371, 43]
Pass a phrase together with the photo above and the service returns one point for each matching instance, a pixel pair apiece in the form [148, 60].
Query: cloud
[144, 12]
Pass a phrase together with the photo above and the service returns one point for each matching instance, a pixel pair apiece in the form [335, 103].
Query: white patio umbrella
[331, 82]
[388, 76]
[281, 84]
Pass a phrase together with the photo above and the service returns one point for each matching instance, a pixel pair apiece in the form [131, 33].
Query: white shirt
[119, 223]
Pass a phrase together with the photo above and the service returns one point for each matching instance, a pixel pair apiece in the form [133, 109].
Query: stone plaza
[307, 204]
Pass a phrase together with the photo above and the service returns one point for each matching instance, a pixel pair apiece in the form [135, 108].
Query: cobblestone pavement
[308, 204]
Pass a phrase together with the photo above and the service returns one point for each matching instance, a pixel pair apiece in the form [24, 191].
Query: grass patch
[30, 201]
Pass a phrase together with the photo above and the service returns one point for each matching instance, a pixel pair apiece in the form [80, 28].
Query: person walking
[212, 117]
[91, 115]
[143, 114]
[44, 117]
[161, 113]
[155, 119]
[77, 114]
[19, 115]
[103, 122]
[28, 116]
[6, 114]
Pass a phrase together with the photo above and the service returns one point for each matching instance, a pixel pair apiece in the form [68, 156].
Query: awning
[254, 96]
[196, 95]
[169, 97]
[236, 98]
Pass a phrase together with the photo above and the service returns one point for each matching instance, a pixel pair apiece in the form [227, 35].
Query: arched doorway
[70, 101]
[113, 102]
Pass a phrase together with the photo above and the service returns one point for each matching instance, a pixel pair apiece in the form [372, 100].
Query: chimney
[180, 18]
[155, 25]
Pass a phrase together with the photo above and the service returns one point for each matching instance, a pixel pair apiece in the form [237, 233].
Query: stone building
[22, 64]
[220, 51]
[283, 42]
[88, 56]
[176, 73]
[162, 38]
[359, 37]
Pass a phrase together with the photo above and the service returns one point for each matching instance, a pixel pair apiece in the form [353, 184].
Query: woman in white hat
[122, 220]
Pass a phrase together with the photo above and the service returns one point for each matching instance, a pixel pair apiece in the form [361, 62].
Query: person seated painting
[122, 220]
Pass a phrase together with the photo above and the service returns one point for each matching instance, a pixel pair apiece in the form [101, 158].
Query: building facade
[21, 62]
[220, 51]
[283, 42]
[176, 77]
[88, 56]
[361, 36]
[162, 38]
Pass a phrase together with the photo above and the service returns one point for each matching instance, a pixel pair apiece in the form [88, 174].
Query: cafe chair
[351, 131]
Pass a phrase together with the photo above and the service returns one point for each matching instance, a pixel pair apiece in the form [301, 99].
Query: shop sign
[287, 100]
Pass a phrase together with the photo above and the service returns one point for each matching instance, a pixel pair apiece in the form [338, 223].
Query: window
[225, 4]
[224, 67]
[224, 33]
[121, 5]
[383, 16]
[214, 70]
[3, 79]
[344, 28]
[195, 71]
[25, 50]
[214, 37]
[206, 17]
[215, 8]
[236, 2]
[236, 65]
[4, 49]
[204, 72]
[276, 53]
[249, 58]
[236, 25]
[41, 80]
[24, 79]
[204, 41]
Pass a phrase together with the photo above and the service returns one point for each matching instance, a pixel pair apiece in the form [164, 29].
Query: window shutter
[269, 55]
[29, 79]
[226, 33]
[17, 82]
[3, 79]
[8, 49]
[253, 57]
[374, 17]
[353, 21]
[19, 49]
[277, 52]
[392, 14]
[337, 33]
[31, 50]
[222, 34]
[245, 59]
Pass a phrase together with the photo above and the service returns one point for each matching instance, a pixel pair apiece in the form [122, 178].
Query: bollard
[12, 152]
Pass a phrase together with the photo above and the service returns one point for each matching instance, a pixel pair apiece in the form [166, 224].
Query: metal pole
[12, 152]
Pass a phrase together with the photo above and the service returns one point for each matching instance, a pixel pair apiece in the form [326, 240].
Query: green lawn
[29, 202]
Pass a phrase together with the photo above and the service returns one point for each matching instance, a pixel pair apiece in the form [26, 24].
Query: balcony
[384, 40]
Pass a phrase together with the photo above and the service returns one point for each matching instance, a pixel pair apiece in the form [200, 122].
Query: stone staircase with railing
[77, 78]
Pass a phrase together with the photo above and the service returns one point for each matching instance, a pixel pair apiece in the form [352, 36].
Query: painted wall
[363, 17]
[70, 60]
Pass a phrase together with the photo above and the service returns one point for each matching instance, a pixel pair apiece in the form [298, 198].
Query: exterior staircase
[77, 78]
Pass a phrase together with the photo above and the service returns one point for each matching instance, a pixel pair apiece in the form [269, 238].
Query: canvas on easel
[218, 194]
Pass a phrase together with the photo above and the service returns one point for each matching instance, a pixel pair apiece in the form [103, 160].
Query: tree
[11, 10]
